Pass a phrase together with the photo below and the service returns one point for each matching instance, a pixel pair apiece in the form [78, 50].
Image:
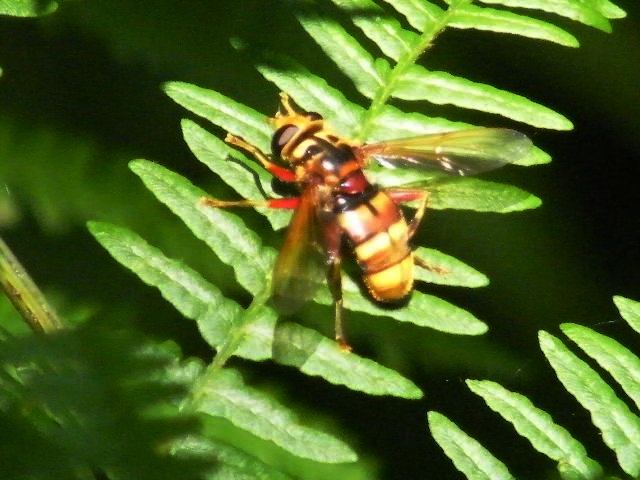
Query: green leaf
[419, 13]
[447, 270]
[579, 11]
[608, 9]
[620, 428]
[27, 8]
[421, 309]
[181, 286]
[224, 394]
[345, 51]
[382, 29]
[232, 463]
[311, 92]
[471, 458]
[228, 114]
[235, 169]
[615, 358]
[482, 18]
[224, 232]
[443, 88]
[314, 355]
[630, 311]
[286, 343]
[538, 427]
[463, 193]
[392, 123]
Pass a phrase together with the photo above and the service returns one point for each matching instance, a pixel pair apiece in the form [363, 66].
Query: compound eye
[282, 136]
[313, 116]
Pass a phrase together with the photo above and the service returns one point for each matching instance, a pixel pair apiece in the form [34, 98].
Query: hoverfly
[337, 201]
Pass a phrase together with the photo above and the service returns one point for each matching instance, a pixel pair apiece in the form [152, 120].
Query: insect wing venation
[465, 152]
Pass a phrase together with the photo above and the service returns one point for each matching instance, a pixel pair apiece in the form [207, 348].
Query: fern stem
[381, 97]
[25, 295]
[238, 331]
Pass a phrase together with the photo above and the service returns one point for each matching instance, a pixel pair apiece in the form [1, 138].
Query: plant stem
[381, 97]
[25, 295]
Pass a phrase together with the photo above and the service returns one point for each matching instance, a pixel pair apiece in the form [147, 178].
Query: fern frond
[629, 310]
[538, 427]
[223, 393]
[466, 453]
[620, 427]
[27, 8]
[91, 400]
[289, 344]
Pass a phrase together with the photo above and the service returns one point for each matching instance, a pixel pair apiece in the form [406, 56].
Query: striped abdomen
[379, 235]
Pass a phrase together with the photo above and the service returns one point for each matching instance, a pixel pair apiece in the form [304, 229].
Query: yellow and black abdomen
[379, 235]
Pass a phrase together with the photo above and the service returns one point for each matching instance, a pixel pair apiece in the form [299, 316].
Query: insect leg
[400, 195]
[333, 238]
[282, 173]
[288, 203]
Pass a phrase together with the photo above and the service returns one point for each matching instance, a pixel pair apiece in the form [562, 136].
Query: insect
[337, 202]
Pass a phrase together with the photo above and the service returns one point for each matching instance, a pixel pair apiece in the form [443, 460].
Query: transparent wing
[298, 271]
[464, 152]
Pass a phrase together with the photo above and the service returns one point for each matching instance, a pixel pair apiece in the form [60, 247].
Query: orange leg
[288, 203]
[280, 172]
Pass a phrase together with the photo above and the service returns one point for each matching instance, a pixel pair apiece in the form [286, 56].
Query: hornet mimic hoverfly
[337, 202]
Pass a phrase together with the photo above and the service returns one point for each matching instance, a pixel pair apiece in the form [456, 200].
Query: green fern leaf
[224, 394]
[616, 359]
[447, 270]
[422, 310]
[27, 8]
[579, 11]
[311, 92]
[223, 231]
[443, 88]
[630, 311]
[482, 18]
[467, 454]
[216, 316]
[539, 428]
[419, 13]
[463, 194]
[234, 117]
[233, 464]
[620, 428]
[385, 31]
[346, 53]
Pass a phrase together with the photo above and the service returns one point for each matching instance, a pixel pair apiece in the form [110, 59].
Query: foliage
[617, 422]
[221, 397]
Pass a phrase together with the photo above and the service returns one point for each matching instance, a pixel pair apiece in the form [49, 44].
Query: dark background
[80, 96]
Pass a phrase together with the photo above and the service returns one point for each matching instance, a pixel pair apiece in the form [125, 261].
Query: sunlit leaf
[466, 453]
[619, 426]
[443, 88]
[629, 310]
[621, 363]
[582, 12]
[228, 114]
[27, 8]
[224, 394]
[482, 18]
[538, 427]
[345, 51]
[447, 270]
